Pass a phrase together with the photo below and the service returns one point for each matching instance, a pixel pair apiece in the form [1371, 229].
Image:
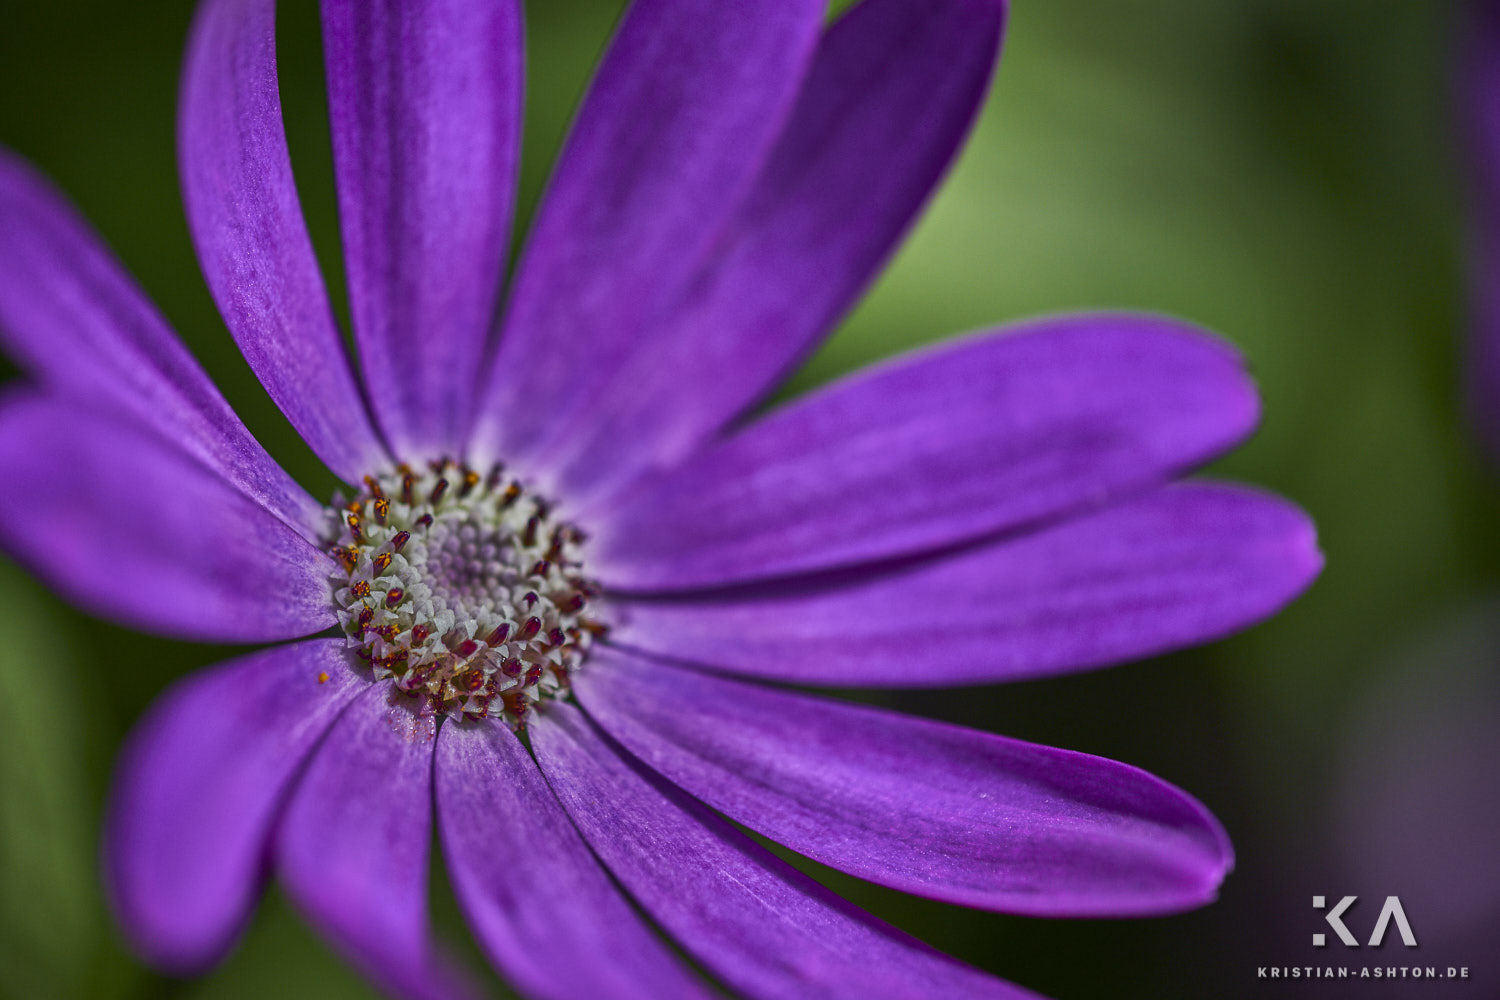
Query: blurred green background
[1278, 170]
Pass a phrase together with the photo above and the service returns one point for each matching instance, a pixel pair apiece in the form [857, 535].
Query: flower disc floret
[461, 589]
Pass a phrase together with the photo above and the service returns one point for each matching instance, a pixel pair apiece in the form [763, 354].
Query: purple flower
[647, 557]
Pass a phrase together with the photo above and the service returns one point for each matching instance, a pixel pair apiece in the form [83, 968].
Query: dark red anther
[361, 589]
[425, 520]
[555, 549]
[467, 648]
[511, 667]
[373, 487]
[498, 636]
[353, 521]
[543, 509]
[496, 471]
[347, 555]
[393, 596]
[471, 681]
[528, 537]
[530, 599]
[399, 540]
[382, 562]
[408, 482]
[597, 629]
[366, 616]
[511, 495]
[531, 628]
[382, 508]
[516, 704]
[471, 480]
[542, 568]
[556, 637]
[420, 632]
[436, 496]
[533, 675]
[575, 603]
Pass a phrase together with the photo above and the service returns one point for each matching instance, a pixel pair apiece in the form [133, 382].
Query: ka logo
[1390, 912]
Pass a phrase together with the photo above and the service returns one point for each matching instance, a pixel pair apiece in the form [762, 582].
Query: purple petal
[252, 242]
[1180, 566]
[198, 784]
[425, 102]
[351, 848]
[546, 913]
[135, 530]
[74, 320]
[890, 98]
[682, 113]
[925, 807]
[763, 927]
[1478, 86]
[987, 434]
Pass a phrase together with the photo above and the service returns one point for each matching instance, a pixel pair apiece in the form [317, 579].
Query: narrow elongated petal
[76, 323]
[682, 113]
[135, 530]
[1180, 566]
[938, 810]
[351, 849]
[760, 925]
[425, 102]
[546, 913]
[889, 100]
[252, 242]
[197, 788]
[984, 435]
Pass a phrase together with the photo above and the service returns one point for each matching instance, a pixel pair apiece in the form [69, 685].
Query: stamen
[460, 590]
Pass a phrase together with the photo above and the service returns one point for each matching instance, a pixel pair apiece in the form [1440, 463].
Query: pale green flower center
[461, 589]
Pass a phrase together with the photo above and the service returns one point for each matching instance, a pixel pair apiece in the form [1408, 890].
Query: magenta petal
[252, 243]
[760, 925]
[352, 846]
[683, 111]
[925, 807]
[546, 913]
[987, 434]
[1179, 566]
[135, 530]
[197, 787]
[74, 320]
[425, 101]
[888, 102]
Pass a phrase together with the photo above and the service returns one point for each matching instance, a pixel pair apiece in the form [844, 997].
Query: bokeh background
[1283, 171]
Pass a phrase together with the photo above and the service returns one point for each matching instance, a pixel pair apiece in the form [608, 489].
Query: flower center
[462, 589]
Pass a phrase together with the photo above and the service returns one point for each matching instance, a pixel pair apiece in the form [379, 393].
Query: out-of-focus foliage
[1279, 170]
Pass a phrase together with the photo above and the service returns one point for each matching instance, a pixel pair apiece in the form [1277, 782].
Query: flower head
[571, 528]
